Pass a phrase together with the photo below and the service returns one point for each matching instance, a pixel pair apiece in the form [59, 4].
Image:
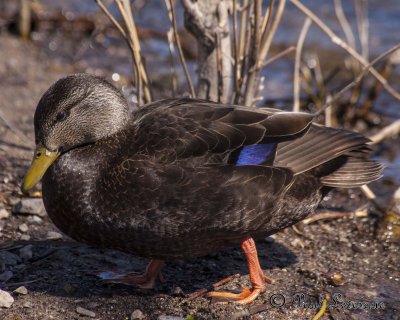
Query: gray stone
[26, 252]
[30, 206]
[5, 276]
[53, 235]
[12, 201]
[164, 317]
[85, 312]
[21, 290]
[36, 219]
[178, 292]
[23, 227]
[9, 259]
[6, 300]
[25, 237]
[4, 214]
[137, 315]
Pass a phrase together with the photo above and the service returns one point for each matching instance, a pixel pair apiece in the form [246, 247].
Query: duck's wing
[192, 205]
[182, 128]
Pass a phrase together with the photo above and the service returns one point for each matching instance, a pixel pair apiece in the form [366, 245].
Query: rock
[53, 235]
[178, 292]
[270, 239]
[25, 237]
[30, 206]
[21, 290]
[36, 219]
[137, 315]
[164, 317]
[9, 259]
[26, 252]
[297, 243]
[6, 300]
[23, 227]
[4, 214]
[5, 276]
[85, 312]
[12, 201]
[27, 304]
[93, 305]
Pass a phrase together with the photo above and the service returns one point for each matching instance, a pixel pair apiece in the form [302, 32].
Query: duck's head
[76, 110]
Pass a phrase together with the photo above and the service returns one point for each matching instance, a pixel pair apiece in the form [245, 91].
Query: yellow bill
[42, 159]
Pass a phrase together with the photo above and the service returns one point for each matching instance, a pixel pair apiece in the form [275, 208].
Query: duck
[181, 177]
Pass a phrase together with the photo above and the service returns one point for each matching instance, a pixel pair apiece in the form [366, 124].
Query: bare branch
[110, 16]
[265, 46]
[236, 73]
[363, 26]
[388, 131]
[299, 48]
[352, 84]
[335, 39]
[278, 56]
[171, 9]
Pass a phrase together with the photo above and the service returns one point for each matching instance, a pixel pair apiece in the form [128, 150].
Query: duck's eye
[61, 116]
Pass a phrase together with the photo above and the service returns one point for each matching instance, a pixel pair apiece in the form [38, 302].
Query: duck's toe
[246, 296]
[147, 280]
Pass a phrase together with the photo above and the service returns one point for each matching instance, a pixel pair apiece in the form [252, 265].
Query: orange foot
[257, 277]
[147, 280]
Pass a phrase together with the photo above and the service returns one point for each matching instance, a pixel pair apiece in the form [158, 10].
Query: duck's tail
[339, 157]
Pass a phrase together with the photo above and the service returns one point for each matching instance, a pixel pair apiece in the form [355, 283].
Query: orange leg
[257, 277]
[147, 280]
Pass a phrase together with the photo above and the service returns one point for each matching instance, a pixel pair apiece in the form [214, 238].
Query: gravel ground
[49, 276]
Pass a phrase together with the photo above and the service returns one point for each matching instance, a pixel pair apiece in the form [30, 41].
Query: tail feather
[338, 157]
[354, 173]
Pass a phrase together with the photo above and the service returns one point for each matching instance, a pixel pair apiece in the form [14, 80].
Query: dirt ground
[59, 274]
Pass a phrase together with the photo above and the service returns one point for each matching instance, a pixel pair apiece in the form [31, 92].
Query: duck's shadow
[68, 269]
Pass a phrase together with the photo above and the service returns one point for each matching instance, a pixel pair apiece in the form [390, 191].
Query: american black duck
[182, 178]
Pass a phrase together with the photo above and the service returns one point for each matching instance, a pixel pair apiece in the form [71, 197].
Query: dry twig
[299, 48]
[386, 132]
[172, 16]
[131, 37]
[352, 84]
[335, 39]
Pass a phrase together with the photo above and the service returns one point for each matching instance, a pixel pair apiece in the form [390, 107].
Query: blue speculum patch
[255, 154]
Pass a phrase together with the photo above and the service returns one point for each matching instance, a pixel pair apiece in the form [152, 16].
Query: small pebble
[4, 214]
[93, 305]
[297, 243]
[12, 201]
[6, 300]
[25, 237]
[26, 252]
[336, 279]
[6, 275]
[178, 292]
[85, 312]
[52, 235]
[35, 219]
[23, 227]
[27, 304]
[30, 206]
[164, 317]
[21, 290]
[137, 315]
